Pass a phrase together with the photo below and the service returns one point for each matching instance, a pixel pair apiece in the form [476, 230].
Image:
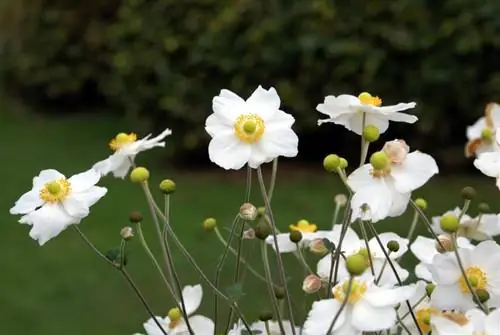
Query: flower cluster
[359, 282]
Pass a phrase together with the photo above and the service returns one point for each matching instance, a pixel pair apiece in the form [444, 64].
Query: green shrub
[165, 59]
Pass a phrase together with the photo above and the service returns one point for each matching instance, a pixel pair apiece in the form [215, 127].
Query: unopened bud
[279, 292]
[139, 175]
[262, 230]
[311, 284]
[468, 193]
[343, 163]
[249, 234]
[331, 163]
[483, 208]
[393, 246]
[429, 288]
[379, 160]
[174, 314]
[126, 233]
[482, 295]
[356, 264]
[371, 133]
[445, 244]
[135, 217]
[449, 223]
[487, 135]
[265, 316]
[421, 203]
[209, 224]
[341, 200]
[295, 236]
[396, 150]
[248, 212]
[167, 186]
[317, 246]
[261, 211]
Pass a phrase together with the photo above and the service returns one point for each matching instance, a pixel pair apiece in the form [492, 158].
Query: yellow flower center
[249, 128]
[175, 317]
[367, 99]
[304, 227]
[122, 139]
[358, 289]
[476, 277]
[55, 191]
[423, 316]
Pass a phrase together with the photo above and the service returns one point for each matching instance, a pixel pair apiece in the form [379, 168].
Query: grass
[62, 288]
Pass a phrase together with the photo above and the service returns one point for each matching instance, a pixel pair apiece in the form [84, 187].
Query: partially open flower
[311, 284]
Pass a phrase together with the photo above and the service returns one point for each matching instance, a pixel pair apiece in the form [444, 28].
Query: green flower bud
[421, 203]
[343, 163]
[167, 186]
[484, 208]
[174, 314]
[379, 160]
[139, 175]
[371, 133]
[261, 211]
[393, 246]
[295, 236]
[135, 217]
[279, 292]
[449, 223]
[356, 264]
[209, 224]
[262, 230]
[487, 135]
[331, 163]
[468, 193]
[482, 295]
[265, 316]
[429, 289]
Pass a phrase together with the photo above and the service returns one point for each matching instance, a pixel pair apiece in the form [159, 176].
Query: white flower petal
[280, 120]
[445, 269]
[227, 105]
[422, 271]
[424, 248]
[444, 326]
[492, 324]
[284, 243]
[83, 181]
[414, 172]
[228, 152]
[147, 143]
[385, 238]
[192, 296]
[264, 103]
[448, 297]
[337, 106]
[385, 297]
[28, 202]
[361, 178]
[46, 176]
[152, 328]
[374, 119]
[367, 318]
[488, 163]
[322, 315]
[372, 203]
[476, 129]
[280, 142]
[214, 126]
[201, 325]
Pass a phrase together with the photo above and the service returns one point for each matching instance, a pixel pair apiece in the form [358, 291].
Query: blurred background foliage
[162, 61]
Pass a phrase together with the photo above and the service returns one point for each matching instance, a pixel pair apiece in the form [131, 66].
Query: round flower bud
[249, 234]
[318, 247]
[487, 135]
[311, 284]
[421, 203]
[371, 133]
[126, 233]
[279, 292]
[135, 217]
[446, 244]
[356, 264]
[248, 212]
[482, 295]
[167, 186]
[483, 207]
[265, 316]
[393, 246]
[261, 211]
[429, 288]
[449, 223]
[468, 193]
[139, 175]
[209, 224]
[174, 314]
[340, 200]
[115, 256]
[262, 230]
[295, 236]
[331, 163]
[396, 150]
[343, 163]
[379, 160]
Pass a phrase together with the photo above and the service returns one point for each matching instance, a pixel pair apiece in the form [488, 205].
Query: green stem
[427, 223]
[303, 261]
[367, 245]
[344, 304]
[272, 184]
[413, 226]
[92, 246]
[364, 143]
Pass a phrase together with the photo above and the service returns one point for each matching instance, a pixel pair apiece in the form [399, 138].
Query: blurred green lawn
[62, 288]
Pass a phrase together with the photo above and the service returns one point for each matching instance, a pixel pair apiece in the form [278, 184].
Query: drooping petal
[400, 202]
[357, 121]
[264, 103]
[322, 315]
[192, 296]
[367, 318]
[336, 106]
[488, 163]
[228, 152]
[414, 172]
[28, 202]
[372, 203]
[200, 325]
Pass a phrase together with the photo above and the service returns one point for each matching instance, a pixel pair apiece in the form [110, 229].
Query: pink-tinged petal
[367, 318]
[228, 106]
[192, 296]
[283, 142]
[414, 172]
[228, 152]
[488, 163]
[264, 103]
[28, 202]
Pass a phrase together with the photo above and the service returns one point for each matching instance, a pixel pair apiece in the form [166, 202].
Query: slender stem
[464, 210]
[375, 234]
[403, 326]
[338, 250]
[335, 215]
[367, 246]
[303, 261]
[170, 268]
[92, 246]
[219, 266]
[272, 184]
[166, 253]
[413, 226]
[381, 272]
[344, 304]
[196, 267]
[270, 289]
[243, 260]
[276, 247]
[427, 223]
[143, 300]
[268, 329]
[364, 143]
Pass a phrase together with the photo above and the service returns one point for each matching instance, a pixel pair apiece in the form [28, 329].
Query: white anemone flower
[483, 227]
[383, 187]
[369, 308]
[489, 162]
[174, 323]
[54, 202]
[485, 324]
[481, 135]
[126, 147]
[252, 131]
[308, 230]
[353, 244]
[354, 113]
[481, 267]
[425, 248]
[260, 328]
